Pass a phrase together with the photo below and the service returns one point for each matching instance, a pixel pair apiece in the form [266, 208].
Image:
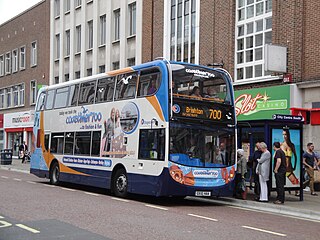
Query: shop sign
[288, 118]
[262, 103]
[18, 119]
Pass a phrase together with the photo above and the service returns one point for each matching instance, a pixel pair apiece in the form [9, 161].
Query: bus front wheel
[54, 174]
[120, 183]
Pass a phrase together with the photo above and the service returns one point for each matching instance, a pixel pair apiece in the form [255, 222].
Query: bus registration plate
[203, 193]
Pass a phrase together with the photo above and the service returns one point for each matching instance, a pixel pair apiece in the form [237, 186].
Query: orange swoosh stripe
[154, 102]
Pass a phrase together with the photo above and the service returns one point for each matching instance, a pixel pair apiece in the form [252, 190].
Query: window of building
[77, 3]
[22, 58]
[67, 6]
[56, 8]
[9, 96]
[57, 46]
[15, 96]
[116, 15]
[15, 60]
[132, 19]
[89, 72]
[78, 39]
[33, 92]
[116, 65]
[21, 94]
[183, 16]
[1, 65]
[103, 29]
[90, 34]
[33, 54]
[131, 62]
[102, 69]
[66, 77]
[2, 98]
[253, 31]
[67, 43]
[56, 80]
[77, 74]
[8, 63]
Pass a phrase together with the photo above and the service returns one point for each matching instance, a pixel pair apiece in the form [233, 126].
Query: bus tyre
[54, 174]
[120, 183]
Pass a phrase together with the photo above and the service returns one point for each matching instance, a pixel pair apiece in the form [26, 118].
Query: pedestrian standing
[256, 155]
[310, 161]
[279, 172]
[263, 170]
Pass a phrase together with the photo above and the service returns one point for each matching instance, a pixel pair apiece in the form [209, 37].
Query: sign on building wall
[262, 103]
[19, 119]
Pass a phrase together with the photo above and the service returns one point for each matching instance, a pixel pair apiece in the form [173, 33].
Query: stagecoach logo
[206, 173]
[199, 73]
[176, 108]
[84, 116]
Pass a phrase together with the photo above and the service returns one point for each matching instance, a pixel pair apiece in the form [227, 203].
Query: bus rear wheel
[54, 174]
[120, 183]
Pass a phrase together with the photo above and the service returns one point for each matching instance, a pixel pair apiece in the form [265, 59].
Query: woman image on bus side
[290, 151]
[109, 131]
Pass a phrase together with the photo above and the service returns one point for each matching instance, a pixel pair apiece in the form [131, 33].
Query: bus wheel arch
[54, 173]
[119, 181]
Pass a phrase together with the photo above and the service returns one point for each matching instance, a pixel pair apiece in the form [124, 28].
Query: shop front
[17, 129]
[264, 114]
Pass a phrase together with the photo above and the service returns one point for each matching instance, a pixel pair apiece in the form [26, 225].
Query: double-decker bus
[160, 128]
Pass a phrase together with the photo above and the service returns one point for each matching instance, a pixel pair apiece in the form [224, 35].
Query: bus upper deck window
[41, 102]
[105, 90]
[73, 96]
[50, 98]
[149, 82]
[87, 92]
[126, 86]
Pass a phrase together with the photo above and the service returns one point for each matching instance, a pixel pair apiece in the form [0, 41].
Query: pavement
[309, 208]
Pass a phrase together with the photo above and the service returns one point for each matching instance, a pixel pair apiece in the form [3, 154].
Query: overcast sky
[11, 8]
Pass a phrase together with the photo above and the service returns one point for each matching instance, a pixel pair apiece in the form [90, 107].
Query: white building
[93, 36]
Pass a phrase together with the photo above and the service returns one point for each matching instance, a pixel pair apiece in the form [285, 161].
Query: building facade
[93, 36]
[24, 66]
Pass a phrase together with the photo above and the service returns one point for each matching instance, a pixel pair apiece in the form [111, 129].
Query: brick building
[24, 66]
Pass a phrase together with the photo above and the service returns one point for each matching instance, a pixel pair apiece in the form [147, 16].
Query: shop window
[152, 142]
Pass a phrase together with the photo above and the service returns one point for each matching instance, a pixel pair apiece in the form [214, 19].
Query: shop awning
[28, 129]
